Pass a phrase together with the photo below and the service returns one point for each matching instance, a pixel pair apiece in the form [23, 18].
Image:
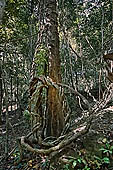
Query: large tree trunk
[55, 117]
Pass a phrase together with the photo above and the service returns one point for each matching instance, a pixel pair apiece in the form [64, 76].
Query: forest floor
[19, 126]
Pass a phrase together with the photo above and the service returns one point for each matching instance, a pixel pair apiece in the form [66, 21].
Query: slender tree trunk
[2, 6]
[1, 92]
[55, 118]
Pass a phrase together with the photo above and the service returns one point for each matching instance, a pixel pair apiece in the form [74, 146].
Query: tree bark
[55, 117]
[1, 92]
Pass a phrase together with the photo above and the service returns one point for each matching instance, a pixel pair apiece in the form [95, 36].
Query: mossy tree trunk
[55, 117]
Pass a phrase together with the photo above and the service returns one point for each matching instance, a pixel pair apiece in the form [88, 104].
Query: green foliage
[76, 163]
[66, 167]
[18, 35]
[16, 155]
[27, 115]
[107, 149]
[80, 23]
[101, 161]
[45, 163]
[91, 162]
[41, 60]
[85, 22]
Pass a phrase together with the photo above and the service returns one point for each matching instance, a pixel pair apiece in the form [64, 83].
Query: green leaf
[102, 149]
[79, 160]
[105, 151]
[74, 163]
[66, 167]
[84, 161]
[106, 160]
[111, 147]
[107, 145]
[26, 112]
[86, 168]
[110, 151]
[77, 20]
[12, 1]
[71, 160]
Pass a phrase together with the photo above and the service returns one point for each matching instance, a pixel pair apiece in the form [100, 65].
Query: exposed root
[66, 141]
[51, 146]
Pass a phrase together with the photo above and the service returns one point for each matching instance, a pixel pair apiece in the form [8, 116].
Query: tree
[47, 54]
[0, 92]
[55, 118]
[2, 6]
[78, 58]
